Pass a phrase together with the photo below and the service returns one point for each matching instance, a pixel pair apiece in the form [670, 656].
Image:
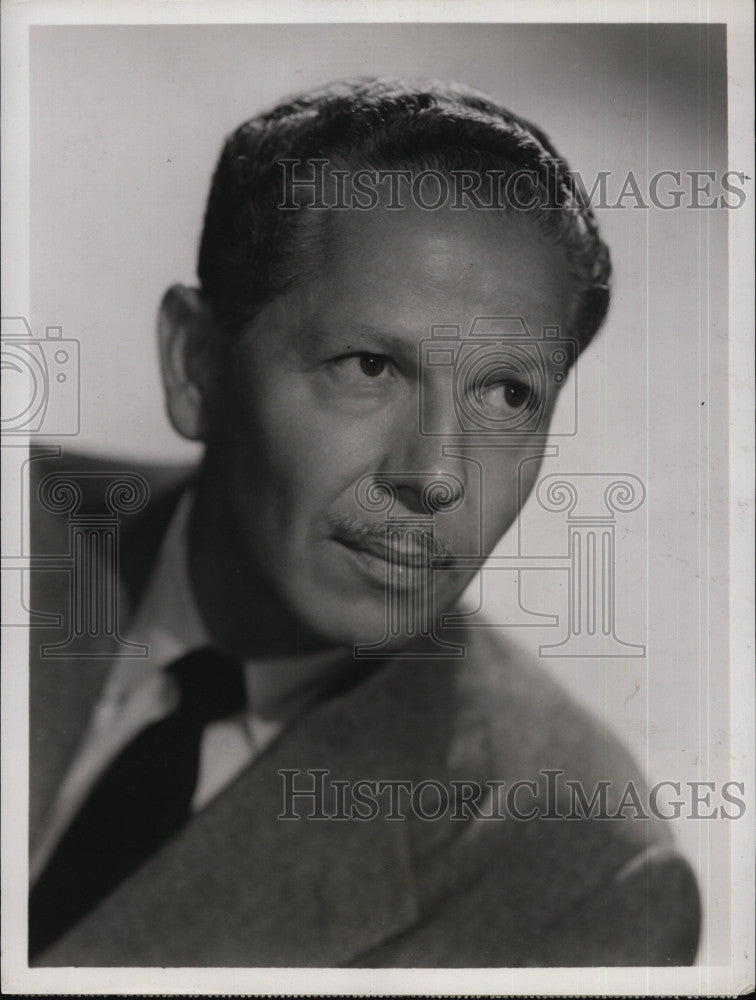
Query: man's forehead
[393, 271]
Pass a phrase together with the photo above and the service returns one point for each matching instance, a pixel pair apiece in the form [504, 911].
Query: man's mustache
[411, 544]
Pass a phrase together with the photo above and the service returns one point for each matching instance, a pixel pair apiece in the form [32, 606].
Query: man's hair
[251, 250]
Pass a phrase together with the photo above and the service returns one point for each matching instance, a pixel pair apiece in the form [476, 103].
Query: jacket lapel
[240, 886]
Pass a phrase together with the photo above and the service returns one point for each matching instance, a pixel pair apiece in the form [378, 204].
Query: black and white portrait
[368, 445]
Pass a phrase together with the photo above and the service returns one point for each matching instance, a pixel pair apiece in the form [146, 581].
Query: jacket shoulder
[534, 723]
[496, 711]
[556, 829]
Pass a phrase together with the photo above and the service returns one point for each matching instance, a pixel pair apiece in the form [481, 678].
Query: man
[206, 805]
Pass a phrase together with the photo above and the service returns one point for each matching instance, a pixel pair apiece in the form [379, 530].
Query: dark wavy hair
[251, 250]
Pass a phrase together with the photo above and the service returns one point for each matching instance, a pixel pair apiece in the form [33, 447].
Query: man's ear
[188, 355]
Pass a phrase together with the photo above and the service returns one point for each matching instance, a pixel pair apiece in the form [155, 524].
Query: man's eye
[372, 365]
[504, 394]
[516, 394]
[363, 365]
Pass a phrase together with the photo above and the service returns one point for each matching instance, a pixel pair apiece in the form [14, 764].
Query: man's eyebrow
[383, 341]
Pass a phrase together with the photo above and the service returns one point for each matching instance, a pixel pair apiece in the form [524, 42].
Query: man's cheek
[339, 449]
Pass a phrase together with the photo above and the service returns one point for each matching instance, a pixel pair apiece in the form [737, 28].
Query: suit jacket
[240, 887]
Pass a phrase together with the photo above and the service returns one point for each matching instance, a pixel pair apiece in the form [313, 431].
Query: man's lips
[403, 553]
[410, 548]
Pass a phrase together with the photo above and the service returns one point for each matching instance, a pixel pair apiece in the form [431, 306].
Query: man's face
[320, 396]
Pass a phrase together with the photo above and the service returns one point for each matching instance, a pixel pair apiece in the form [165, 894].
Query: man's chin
[369, 626]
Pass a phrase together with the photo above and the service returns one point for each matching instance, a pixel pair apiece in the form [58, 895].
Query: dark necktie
[142, 798]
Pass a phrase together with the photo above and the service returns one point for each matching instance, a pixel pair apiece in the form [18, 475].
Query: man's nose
[425, 479]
